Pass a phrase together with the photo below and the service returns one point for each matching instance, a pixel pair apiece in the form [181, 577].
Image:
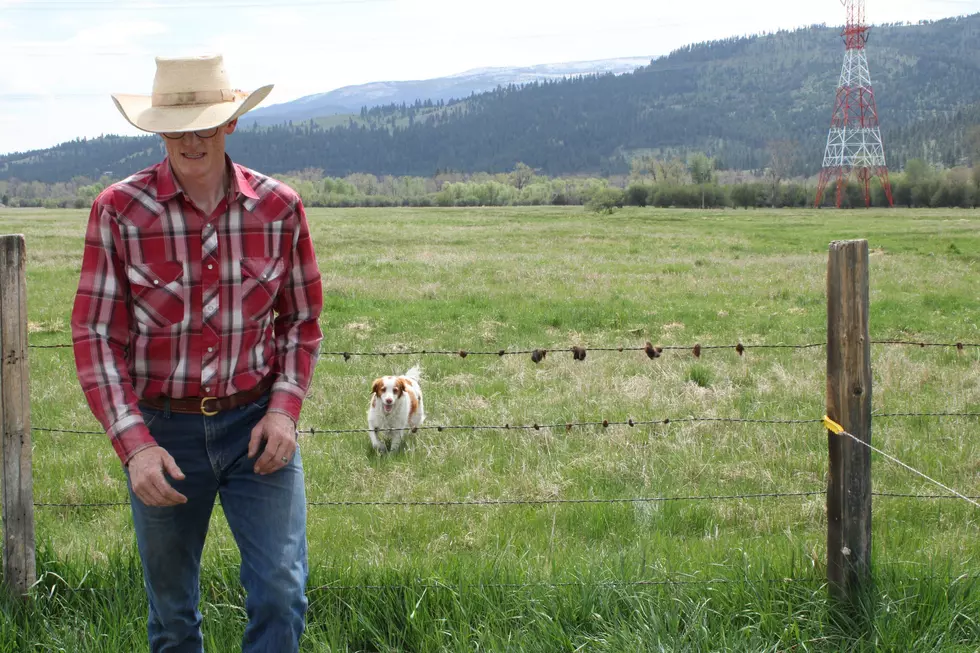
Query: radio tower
[854, 140]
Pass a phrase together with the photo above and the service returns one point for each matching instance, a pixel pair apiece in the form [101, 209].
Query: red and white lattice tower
[854, 141]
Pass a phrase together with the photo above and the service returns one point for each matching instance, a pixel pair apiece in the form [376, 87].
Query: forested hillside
[731, 99]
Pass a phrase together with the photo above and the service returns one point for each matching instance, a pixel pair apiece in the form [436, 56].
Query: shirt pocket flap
[263, 269]
[157, 274]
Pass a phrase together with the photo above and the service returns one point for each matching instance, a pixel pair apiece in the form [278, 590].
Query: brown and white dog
[396, 406]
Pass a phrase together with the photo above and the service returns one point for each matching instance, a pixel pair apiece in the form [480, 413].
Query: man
[196, 333]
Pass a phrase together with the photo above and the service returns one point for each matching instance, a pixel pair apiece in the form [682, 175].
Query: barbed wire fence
[567, 427]
[844, 574]
[579, 353]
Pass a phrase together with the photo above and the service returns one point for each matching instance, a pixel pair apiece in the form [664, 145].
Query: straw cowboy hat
[189, 94]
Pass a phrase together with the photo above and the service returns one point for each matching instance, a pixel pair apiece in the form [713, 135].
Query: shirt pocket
[158, 295]
[261, 280]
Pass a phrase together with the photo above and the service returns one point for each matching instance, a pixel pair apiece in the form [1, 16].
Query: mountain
[350, 99]
[731, 99]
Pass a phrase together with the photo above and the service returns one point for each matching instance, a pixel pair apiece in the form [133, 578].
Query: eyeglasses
[200, 133]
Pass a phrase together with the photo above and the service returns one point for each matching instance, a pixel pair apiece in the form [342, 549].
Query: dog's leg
[396, 442]
[377, 442]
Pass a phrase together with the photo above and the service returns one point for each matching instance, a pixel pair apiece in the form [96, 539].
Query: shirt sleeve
[100, 333]
[297, 327]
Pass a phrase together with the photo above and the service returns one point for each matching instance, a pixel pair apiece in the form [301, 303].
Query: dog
[396, 406]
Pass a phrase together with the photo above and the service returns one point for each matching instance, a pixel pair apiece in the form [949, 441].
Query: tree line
[667, 183]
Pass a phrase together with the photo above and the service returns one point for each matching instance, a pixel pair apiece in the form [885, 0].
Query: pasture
[647, 563]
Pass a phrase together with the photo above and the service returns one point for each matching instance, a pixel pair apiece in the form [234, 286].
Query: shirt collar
[240, 182]
[168, 187]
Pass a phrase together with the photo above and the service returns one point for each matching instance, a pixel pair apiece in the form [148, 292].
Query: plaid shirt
[174, 303]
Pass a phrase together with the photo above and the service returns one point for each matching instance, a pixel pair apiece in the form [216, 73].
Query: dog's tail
[415, 374]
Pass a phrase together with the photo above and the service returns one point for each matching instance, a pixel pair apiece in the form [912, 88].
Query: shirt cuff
[286, 399]
[129, 436]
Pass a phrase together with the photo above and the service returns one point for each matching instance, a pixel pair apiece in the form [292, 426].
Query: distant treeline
[669, 184]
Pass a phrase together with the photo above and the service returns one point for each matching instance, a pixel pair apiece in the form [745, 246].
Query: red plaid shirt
[174, 303]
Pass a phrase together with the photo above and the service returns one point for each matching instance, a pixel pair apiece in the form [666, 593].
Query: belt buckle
[205, 410]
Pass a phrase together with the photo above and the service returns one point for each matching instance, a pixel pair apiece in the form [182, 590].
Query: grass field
[567, 576]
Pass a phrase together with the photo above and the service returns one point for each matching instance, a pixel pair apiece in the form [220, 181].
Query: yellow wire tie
[832, 425]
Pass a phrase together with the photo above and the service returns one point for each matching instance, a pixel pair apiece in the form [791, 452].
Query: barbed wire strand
[925, 414]
[495, 502]
[626, 583]
[41, 429]
[52, 588]
[509, 502]
[515, 427]
[570, 425]
[909, 495]
[839, 430]
[958, 345]
[653, 351]
[558, 585]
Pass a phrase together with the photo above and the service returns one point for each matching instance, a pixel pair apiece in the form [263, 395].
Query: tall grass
[729, 574]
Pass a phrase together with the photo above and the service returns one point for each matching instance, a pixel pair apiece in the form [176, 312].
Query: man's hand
[279, 433]
[146, 473]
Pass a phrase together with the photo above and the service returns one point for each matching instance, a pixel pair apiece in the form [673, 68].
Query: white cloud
[118, 32]
[77, 63]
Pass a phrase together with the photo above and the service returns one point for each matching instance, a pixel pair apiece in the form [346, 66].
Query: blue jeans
[266, 514]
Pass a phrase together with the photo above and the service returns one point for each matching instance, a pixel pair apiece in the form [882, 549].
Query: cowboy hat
[189, 94]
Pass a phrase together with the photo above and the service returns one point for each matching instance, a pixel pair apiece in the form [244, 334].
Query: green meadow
[587, 538]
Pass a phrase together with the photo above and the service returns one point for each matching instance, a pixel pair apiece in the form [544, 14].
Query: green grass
[564, 576]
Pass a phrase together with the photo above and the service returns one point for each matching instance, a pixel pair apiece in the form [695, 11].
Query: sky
[60, 59]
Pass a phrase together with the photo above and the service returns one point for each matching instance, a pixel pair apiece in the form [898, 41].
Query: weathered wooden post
[15, 417]
[848, 404]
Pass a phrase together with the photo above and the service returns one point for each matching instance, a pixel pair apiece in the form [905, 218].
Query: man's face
[193, 157]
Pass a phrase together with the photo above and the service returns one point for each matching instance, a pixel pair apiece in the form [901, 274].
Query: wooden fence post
[19, 571]
[848, 404]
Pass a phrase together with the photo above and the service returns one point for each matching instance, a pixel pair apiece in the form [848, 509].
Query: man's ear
[230, 127]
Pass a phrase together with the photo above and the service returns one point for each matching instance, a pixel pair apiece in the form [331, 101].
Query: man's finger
[168, 494]
[256, 440]
[143, 487]
[266, 462]
[289, 452]
[170, 466]
[285, 450]
[149, 494]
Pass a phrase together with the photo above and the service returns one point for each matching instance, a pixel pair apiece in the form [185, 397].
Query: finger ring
[284, 459]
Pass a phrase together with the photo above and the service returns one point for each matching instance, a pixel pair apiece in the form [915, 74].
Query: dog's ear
[400, 385]
[378, 387]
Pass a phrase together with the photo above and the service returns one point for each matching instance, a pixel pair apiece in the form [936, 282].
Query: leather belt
[210, 405]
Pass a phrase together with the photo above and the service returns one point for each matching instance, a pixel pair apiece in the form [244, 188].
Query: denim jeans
[266, 515]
